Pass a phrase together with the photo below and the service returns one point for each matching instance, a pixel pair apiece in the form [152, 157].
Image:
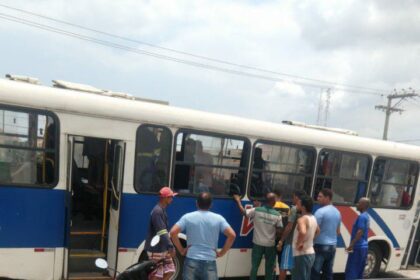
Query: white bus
[80, 170]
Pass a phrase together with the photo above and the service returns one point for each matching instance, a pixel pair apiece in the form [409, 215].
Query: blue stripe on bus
[135, 210]
[32, 217]
[384, 227]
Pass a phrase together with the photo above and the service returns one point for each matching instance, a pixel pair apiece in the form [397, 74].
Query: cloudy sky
[369, 44]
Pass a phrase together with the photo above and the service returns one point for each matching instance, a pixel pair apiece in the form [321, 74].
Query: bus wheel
[179, 265]
[373, 261]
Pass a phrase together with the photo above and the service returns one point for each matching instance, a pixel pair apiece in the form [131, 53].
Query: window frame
[56, 120]
[215, 134]
[135, 156]
[277, 143]
[386, 183]
[369, 174]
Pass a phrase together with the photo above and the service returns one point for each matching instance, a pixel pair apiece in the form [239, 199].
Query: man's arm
[161, 230]
[301, 228]
[175, 239]
[230, 238]
[359, 235]
[237, 199]
[338, 230]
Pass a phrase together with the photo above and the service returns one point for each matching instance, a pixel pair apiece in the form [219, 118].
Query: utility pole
[323, 108]
[389, 109]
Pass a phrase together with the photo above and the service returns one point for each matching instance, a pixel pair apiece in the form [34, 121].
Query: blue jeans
[199, 270]
[324, 262]
[302, 268]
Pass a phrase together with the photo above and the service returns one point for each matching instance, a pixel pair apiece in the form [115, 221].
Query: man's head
[305, 204]
[297, 194]
[166, 196]
[278, 194]
[270, 199]
[204, 201]
[325, 196]
[363, 204]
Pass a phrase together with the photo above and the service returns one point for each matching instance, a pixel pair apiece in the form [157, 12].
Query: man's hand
[237, 197]
[184, 251]
[279, 246]
[220, 254]
[349, 249]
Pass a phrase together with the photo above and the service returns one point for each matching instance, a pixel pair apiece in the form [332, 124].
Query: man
[158, 225]
[358, 247]
[305, 232]
[284, 211]
[285, 243]
[329, 221]
[202, 228]
[267, 224]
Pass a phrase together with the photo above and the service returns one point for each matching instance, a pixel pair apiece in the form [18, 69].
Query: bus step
[89, 276]
[85, 240]
[84, 253]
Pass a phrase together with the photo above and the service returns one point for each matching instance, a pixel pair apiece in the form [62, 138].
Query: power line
[378, 91]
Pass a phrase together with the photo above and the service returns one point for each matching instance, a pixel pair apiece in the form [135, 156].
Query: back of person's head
[300, 193]
[204, 201]
[277, 193]
[258, 153]
[270, 198]
[307, 202]
[327, 193]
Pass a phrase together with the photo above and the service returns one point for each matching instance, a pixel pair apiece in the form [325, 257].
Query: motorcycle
[137, 271]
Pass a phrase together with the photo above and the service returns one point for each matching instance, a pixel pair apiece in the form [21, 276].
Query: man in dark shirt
[158, 225]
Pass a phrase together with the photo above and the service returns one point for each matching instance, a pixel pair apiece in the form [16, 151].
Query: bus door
[412, 254]
[95, 179]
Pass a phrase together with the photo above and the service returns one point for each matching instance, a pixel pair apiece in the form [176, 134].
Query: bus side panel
[135, 215]
[32, 225]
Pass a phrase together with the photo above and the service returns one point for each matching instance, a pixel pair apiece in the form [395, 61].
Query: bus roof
[84, 103]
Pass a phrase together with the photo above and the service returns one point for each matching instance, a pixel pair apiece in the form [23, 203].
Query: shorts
[286, 261]
[167, 266]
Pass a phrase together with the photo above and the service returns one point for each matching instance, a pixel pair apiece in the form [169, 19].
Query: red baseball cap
[166, 192]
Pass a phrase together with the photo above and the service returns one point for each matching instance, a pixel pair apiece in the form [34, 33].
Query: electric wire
[191, 54]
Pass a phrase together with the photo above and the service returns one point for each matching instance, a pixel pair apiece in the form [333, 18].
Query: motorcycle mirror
[101, 263]
[155, 240]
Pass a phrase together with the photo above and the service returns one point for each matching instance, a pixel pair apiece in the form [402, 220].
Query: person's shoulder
[157, 209]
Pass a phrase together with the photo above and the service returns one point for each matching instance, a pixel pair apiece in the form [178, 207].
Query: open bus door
[412, 254]
[94, 184]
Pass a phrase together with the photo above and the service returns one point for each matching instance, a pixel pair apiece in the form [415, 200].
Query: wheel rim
[370, 264]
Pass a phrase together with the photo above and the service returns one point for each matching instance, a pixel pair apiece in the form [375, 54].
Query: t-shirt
[362, 222]
[293, 216]
[328, 219]
[266, 221]
[158, 225]
[202, 229]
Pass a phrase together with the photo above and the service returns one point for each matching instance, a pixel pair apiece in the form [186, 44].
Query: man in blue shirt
[202, 228]
[358, 247]
[329, 221]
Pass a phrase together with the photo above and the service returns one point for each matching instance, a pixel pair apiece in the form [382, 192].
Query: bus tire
[373, 261]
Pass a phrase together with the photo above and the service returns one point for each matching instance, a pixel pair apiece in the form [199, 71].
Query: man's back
[202, 229]
[328, 219]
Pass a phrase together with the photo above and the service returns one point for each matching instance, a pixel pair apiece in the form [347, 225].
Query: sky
[369, 44]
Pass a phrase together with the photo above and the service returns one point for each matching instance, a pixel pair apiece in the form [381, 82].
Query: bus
[80, 169]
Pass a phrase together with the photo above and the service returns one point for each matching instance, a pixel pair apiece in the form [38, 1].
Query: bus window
[346, 174]
[206, 162]
[393, 183]
[28, 148]
[153, 154]
[281, 167]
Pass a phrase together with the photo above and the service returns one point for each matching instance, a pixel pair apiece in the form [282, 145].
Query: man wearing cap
[158, 225]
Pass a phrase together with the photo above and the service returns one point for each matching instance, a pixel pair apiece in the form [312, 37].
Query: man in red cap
[158, 225]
